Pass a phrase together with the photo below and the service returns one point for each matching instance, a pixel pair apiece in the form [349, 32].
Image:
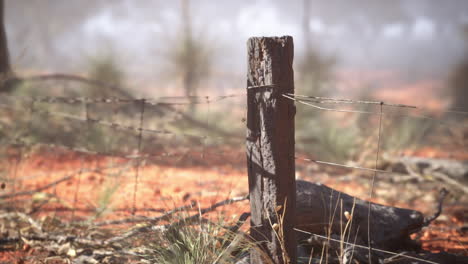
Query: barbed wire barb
[163, 100]
[113, 125]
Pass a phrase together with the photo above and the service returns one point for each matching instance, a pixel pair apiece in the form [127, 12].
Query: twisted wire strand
[418, 116]
[112, 125]
[163, 100]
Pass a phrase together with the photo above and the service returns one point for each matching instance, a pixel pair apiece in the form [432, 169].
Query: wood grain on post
[270, 148]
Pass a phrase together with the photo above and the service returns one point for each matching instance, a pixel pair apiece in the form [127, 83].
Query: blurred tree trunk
[459, 86]
[459, 79]
[4, 56]
[306, 25]
[5, 69]
[189, 77]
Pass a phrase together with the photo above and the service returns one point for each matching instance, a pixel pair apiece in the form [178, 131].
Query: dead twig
[42, 188]
[25, 218]
[53, 184]
[153, 220]
[450, 181]
[184, 221]
[213, 207]
[440, 201]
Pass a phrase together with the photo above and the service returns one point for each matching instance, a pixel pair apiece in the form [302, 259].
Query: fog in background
[412, 40]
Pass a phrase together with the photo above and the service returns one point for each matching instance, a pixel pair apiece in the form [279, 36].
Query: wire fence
[152, 130]
[321, 104]
[149, 130]
[169, 102]
[447, 120]
[42, 107]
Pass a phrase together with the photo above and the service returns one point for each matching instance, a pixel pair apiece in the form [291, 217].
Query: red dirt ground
[202, 177]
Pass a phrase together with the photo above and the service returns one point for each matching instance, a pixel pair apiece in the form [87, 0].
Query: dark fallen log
[337, 222]
[324, 211]
[323, 215]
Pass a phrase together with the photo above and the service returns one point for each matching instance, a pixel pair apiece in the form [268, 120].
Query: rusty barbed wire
[149, 157]
[163, 100]
[112, 125]
[82, 150]
[87, 101]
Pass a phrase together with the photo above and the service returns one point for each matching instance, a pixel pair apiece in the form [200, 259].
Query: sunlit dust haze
[400, 44]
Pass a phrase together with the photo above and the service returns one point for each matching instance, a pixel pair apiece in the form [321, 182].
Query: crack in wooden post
[270, 148]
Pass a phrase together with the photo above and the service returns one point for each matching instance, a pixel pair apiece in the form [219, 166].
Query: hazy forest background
[361, 46]
[412, 52]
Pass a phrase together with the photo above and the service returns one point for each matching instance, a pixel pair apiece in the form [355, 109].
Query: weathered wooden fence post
[270, 148]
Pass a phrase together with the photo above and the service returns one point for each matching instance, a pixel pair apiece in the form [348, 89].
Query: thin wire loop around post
[261, 86]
